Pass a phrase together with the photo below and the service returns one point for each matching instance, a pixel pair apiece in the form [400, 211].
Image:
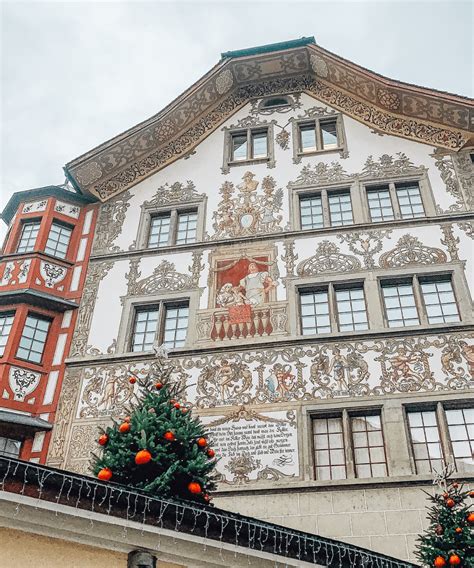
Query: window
[148, 327]
[29, 232]
[319, 135]
[58, 240]
[275, 102]
[461, 432]
[173, 227]
[333, 308]
[337, 437]
[426, 442]
[9, 447]
[395, 201]
[33, 339]
[325, 209]
[437, 293]
[249, 145]
[369, 449]
[6, 322]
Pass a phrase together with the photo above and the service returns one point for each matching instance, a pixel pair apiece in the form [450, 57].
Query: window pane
[461, 432]
[409, 200]
[9, 447]
[187, 227]
[6, 322]
[33, 339]
[369, 450]
[58, 240]
[425, 440]
[176, 325]
[351, 309]
[159, 231]
[311, 211]
[329, 453]
[380, 204]
[440, 302]
[308, 138]
[144, 332]
[259, 145]
[329, 134]
[315, 312]
[340, 209]
[239, 147]
[400, 307]
[28, 236]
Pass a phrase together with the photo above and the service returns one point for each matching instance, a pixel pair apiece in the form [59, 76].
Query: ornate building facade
[297, 230]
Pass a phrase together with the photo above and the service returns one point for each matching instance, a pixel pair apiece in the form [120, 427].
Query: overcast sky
[76, 73]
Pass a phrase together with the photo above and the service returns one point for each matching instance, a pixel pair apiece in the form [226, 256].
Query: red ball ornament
[142, 457]
[169, 436]
[103, 439]
[132, 380]
[177, 405]
[211, 453]
[470, 518]
[454, 560]
[471, 494]
[194, 488]
[455, 485]
[184, 410]
[439, 562]
[450, 503]
[202, 442]
[458, 530]
[173, 401]
[445, 495]
[158, 386]
[124, 427]
[105, 474]
[207, 498]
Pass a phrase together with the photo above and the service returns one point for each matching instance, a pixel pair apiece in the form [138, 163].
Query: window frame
[299, 153]
[6, 314]
[23, 223]
[230, 132]
[324, 193]
[59, 223]
[174, 210]
[48, 331]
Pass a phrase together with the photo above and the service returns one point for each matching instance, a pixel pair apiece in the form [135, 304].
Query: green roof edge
[268, 48]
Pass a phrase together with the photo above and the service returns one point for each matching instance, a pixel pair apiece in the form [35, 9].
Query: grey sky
[76, 73]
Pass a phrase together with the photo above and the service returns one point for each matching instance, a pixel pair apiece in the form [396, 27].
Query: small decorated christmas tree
[160, 447]
[449, 540]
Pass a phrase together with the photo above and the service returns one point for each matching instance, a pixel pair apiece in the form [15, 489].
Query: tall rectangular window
[29, 232]
[426, 443]
[409, 200]
[9, 447]
[329, 134]
[159, 231]
[259, 144]
[33, 339]
[461, 432]
[400, 306]
[329, 452]
[239, 147]
[187, 227]
[380, 204]
[351, 309]
[439, 300]
[166, 323]
[369, 449]
[311, 212]
[340, 208]
[58, 240]
[251, 144]
[6, 322]
[308, 138]
[314, 310]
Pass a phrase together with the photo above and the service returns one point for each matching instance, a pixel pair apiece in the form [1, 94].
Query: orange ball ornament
[124, 427]
[103, 439]
[439, 562]
[211, 453]
[458, 530]
[470, 518]
[450, 503]
[142, 457]
[454, 560]
[202, 442]
[105, 474]
[169, 436]
[184, 410]
[132, 380]
[194, 488]
[158, 386]
[471, 494]
[177, 405]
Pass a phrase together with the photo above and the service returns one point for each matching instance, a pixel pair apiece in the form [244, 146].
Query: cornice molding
[415, 113]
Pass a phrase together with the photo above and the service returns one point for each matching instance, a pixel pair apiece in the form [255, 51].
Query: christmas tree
[159, 447]
[449, 540]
